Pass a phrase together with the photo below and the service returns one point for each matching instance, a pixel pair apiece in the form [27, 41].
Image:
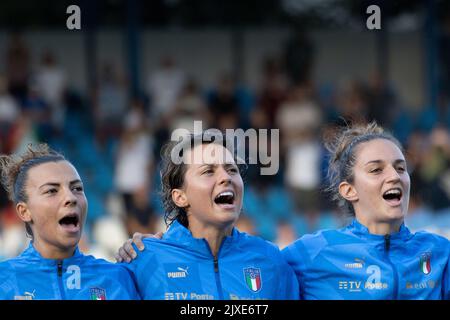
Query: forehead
[378, 149]
[60, 171]
[211, 153]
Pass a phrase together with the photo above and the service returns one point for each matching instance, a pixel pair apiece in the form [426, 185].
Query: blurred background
[109, 95]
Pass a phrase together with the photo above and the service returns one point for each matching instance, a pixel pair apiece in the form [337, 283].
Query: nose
[223, 176]
[70, 198]
[393, 175]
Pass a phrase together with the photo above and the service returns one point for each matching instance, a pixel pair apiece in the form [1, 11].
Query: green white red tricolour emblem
[253, 278]
[425, 262]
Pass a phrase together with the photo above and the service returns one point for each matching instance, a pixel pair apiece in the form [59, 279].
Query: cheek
[199, 192]
[83, 203]
[239, 185]
[43, 210]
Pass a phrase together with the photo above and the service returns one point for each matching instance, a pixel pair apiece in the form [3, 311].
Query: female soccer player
[202, 255]
[49, 197]
[376, 256]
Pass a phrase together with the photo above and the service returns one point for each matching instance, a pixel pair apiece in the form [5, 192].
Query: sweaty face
[56, 207]
[213, 186]
[381, 182]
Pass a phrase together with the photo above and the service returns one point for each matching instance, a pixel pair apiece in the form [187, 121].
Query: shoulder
[7, 267]
[155, 246]
[8, 278]
[310, 246]
[104, 267]
[257, 244]
[319, 239]
[426, 237]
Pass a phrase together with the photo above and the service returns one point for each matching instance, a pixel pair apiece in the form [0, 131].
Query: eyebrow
[217, 164]
[381, 161]
[56, 184]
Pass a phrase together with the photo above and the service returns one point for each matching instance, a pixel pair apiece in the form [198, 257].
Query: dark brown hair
[173, 174]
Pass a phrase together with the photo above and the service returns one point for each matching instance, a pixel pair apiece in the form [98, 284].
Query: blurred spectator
[9, 113]
[223, 104]
[39, 113]
[134, 166]
[434, 169]
[352, 103]
[17, 66]
[164, 85]
[299, 120]
[273, 90]
[110, 103]
[189, 107]
[381, 100]
[50, 80]
[300, 54]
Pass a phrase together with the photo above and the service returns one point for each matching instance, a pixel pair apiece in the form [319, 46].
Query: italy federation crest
[425, 262]
[253, 278]
[98, 294]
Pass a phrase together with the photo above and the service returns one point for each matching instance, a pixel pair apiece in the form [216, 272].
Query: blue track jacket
[181, 267]
[351, 263]
[30, 276]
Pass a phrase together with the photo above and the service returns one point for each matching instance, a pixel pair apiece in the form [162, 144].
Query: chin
[227, 220]
[395, 214]
[70, 242]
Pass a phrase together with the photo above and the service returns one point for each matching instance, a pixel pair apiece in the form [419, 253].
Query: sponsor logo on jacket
[26, 296]
[180, 273]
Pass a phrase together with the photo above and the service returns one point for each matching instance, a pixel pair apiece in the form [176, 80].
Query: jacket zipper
[216, 273]
[60, 280]
[216, 270]
[387, 247]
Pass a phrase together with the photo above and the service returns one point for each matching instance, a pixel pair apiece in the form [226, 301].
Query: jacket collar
[180, 235]
[362, 231]
[32, 255]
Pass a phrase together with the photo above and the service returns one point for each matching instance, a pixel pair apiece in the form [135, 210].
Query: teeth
[393, 191]
[225, 194]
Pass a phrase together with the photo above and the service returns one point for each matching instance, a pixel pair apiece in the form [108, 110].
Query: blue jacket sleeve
[290, 284]
[7, 287]
[293, 258]
[131, 285]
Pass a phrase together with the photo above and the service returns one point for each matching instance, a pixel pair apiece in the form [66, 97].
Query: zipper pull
[60, 268]
[387, 242]
[216, 264]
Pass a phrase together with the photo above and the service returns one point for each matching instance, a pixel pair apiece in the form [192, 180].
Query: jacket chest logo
[425, 262]
[253, 278]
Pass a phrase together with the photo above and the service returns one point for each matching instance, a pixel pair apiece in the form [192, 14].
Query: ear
[23, 212]
[179, 198]
[348, 191]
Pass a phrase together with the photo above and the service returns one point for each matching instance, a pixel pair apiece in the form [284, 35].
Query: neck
[212, 234]
[52, 252]
[380, 228]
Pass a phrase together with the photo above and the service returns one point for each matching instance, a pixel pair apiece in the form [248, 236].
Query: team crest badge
[425, 262]
[98, 294]
[253, 278]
